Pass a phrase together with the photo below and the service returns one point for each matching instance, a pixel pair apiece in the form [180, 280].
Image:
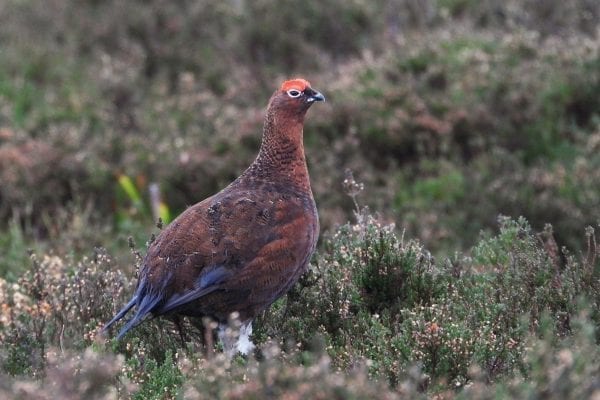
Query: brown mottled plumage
[244, 247]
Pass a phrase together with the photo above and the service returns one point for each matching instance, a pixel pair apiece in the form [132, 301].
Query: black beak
[313, 95]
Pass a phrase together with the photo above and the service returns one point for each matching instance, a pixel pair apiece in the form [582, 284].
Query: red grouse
[244, 247]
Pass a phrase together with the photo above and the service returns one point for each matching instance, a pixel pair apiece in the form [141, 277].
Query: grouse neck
[281, 156]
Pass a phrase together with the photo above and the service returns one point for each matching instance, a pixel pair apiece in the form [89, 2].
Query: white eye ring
[294, 93]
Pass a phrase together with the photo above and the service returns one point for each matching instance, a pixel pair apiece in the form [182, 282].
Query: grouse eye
[294, 93]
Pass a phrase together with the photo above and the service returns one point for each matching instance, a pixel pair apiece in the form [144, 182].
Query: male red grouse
[244, 247]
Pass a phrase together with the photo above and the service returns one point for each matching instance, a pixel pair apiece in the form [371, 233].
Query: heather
[455, 165]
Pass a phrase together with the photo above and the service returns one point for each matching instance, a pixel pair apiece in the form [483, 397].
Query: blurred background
[449, 112]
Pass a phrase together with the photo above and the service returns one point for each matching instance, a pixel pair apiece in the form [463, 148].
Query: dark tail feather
[120, 314]
[146, 306]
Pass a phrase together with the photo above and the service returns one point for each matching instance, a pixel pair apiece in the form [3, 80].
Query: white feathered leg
[244, 344]
[234, 342]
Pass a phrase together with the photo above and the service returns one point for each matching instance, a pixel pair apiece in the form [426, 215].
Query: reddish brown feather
[250, 242]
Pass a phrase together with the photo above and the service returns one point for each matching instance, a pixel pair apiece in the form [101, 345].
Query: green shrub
[156, 381]
[371, 299]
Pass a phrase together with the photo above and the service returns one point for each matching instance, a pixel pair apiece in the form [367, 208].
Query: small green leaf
[129, 188]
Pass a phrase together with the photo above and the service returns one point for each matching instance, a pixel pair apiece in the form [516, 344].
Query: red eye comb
[298, 84]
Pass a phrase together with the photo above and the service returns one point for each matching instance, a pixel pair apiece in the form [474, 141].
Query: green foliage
[129, 188]
[57, 302]
[157, 381]
[17, 360]
[392, 274]
[446, 190]
[14, 251]
[371, 299]
[564, 370]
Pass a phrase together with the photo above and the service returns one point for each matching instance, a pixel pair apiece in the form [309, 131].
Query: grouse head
[294, 97]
